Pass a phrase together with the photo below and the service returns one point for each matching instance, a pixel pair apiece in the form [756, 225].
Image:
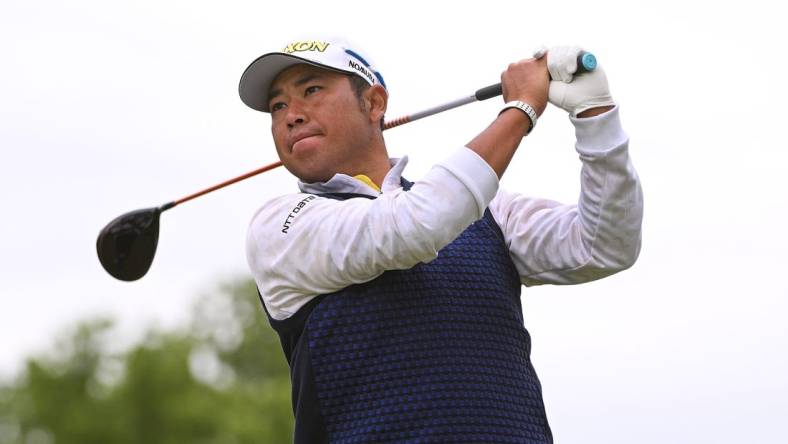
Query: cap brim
[258, 76]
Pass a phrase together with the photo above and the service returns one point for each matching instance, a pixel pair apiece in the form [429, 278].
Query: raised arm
[600, 235]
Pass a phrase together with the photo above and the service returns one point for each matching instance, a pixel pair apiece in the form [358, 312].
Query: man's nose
[295, 114]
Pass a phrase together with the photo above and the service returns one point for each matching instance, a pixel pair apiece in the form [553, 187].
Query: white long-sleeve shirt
[301, 245]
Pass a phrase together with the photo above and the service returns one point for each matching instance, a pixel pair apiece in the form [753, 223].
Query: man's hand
[527, 81]
[587, 93]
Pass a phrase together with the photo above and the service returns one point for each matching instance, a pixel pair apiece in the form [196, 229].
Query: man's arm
[526, 81]
[300, 246]
[600, 235]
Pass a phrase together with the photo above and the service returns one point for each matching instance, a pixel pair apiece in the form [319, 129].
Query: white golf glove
[575, 93]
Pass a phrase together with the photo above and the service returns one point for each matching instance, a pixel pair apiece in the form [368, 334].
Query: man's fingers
[562, 62]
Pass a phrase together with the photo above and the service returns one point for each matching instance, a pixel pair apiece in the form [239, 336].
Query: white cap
[336, 56]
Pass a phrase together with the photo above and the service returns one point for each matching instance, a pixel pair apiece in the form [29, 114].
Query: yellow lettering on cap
[306, 45]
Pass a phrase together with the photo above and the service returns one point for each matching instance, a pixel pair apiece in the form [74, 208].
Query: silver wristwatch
[524, 107]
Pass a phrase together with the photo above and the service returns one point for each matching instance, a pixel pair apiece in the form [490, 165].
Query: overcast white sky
[110, 106]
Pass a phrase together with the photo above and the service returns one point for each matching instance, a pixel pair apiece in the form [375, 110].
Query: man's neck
[378, 171]
[376, 165]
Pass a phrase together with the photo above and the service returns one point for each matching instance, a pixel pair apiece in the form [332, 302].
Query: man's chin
[311, 171]
[314, 178]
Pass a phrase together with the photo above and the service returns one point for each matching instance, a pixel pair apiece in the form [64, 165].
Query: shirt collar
[342, 183]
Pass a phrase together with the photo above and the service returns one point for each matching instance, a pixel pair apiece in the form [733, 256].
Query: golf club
[126, 246]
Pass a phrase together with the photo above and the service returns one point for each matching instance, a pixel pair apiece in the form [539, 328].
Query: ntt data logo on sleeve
[308, 45]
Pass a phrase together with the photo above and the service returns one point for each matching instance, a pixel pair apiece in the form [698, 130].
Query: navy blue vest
[436, 353]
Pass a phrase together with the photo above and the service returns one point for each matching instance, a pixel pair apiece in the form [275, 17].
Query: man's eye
[312, 89]
[277, 106]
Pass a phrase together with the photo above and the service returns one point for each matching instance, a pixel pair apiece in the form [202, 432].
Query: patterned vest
[434, 354]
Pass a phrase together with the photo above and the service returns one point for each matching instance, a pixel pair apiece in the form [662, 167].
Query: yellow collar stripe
[367, 181]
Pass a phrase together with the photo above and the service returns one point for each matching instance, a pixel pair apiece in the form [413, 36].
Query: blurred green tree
[222, 379]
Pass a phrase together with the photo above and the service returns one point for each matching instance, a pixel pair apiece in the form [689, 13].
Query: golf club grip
[586, 62]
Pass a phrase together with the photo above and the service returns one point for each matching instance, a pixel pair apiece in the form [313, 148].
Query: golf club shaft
[271, 166]
[488, 92]
[585, 62]
[482, 94]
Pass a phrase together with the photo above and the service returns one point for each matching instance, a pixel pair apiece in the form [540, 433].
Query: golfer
[398, 302]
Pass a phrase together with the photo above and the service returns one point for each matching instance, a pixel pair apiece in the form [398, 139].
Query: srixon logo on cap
[308, 45]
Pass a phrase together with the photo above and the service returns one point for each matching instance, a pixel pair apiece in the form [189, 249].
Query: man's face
[319, 126]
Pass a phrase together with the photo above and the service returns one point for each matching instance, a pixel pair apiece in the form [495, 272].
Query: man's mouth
[301, 138]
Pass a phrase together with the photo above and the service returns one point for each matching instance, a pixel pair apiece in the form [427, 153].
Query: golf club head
[126, 246]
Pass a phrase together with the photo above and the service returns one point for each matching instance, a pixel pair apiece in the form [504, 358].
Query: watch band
[524, 107]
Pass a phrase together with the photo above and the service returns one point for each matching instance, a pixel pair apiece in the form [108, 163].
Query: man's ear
[377, 99]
